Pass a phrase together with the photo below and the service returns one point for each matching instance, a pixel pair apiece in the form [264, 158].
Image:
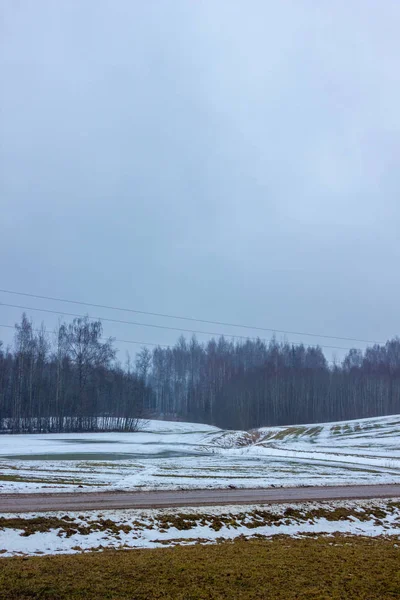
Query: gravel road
[82, 501]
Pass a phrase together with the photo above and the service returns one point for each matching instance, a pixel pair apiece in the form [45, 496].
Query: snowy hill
[173, 455]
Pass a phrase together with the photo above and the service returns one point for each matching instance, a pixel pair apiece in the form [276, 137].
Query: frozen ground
[169, 455]
[59, 533]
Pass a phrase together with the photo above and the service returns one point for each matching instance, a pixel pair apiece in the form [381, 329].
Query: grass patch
[22, 479]
[289, 431]
[310, 568]
[198, 476]
[313, 431]
[65, 525]
[108, 464]
[184, 521]
[56, 481]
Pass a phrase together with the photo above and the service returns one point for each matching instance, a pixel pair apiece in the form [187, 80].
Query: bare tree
[77, 385]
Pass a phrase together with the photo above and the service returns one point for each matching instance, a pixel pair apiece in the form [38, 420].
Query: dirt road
[19, 503]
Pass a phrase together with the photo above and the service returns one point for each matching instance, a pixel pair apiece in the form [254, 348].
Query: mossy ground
[311, 568]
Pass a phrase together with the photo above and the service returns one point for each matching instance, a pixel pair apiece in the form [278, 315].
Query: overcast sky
[223, 159]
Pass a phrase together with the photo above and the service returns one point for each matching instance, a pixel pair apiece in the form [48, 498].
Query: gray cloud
[228, 160]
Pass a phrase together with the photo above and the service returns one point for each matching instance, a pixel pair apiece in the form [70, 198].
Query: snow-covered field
[170, 455]
[60, 533]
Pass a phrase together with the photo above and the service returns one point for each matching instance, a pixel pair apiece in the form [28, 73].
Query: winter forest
[71, 380]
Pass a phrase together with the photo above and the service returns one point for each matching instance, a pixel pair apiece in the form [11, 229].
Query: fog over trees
[71, 380]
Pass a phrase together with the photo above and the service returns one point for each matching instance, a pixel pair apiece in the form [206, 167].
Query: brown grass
[68, 526]
[311, 568]
[58, 481]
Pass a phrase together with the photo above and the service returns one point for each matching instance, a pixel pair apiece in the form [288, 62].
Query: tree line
[248, 384]
[71, 380]
[68, 381]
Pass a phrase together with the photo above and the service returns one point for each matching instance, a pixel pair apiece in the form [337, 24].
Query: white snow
[171, 455]
[155, 528]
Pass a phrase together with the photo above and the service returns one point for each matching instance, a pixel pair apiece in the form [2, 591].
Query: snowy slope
[172, 455]
[373, 441]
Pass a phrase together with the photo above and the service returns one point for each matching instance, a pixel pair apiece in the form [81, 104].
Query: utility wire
[56, 312]
[167, 316]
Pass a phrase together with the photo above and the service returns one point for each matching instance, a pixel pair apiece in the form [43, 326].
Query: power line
[56, 312]
[167, 316]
